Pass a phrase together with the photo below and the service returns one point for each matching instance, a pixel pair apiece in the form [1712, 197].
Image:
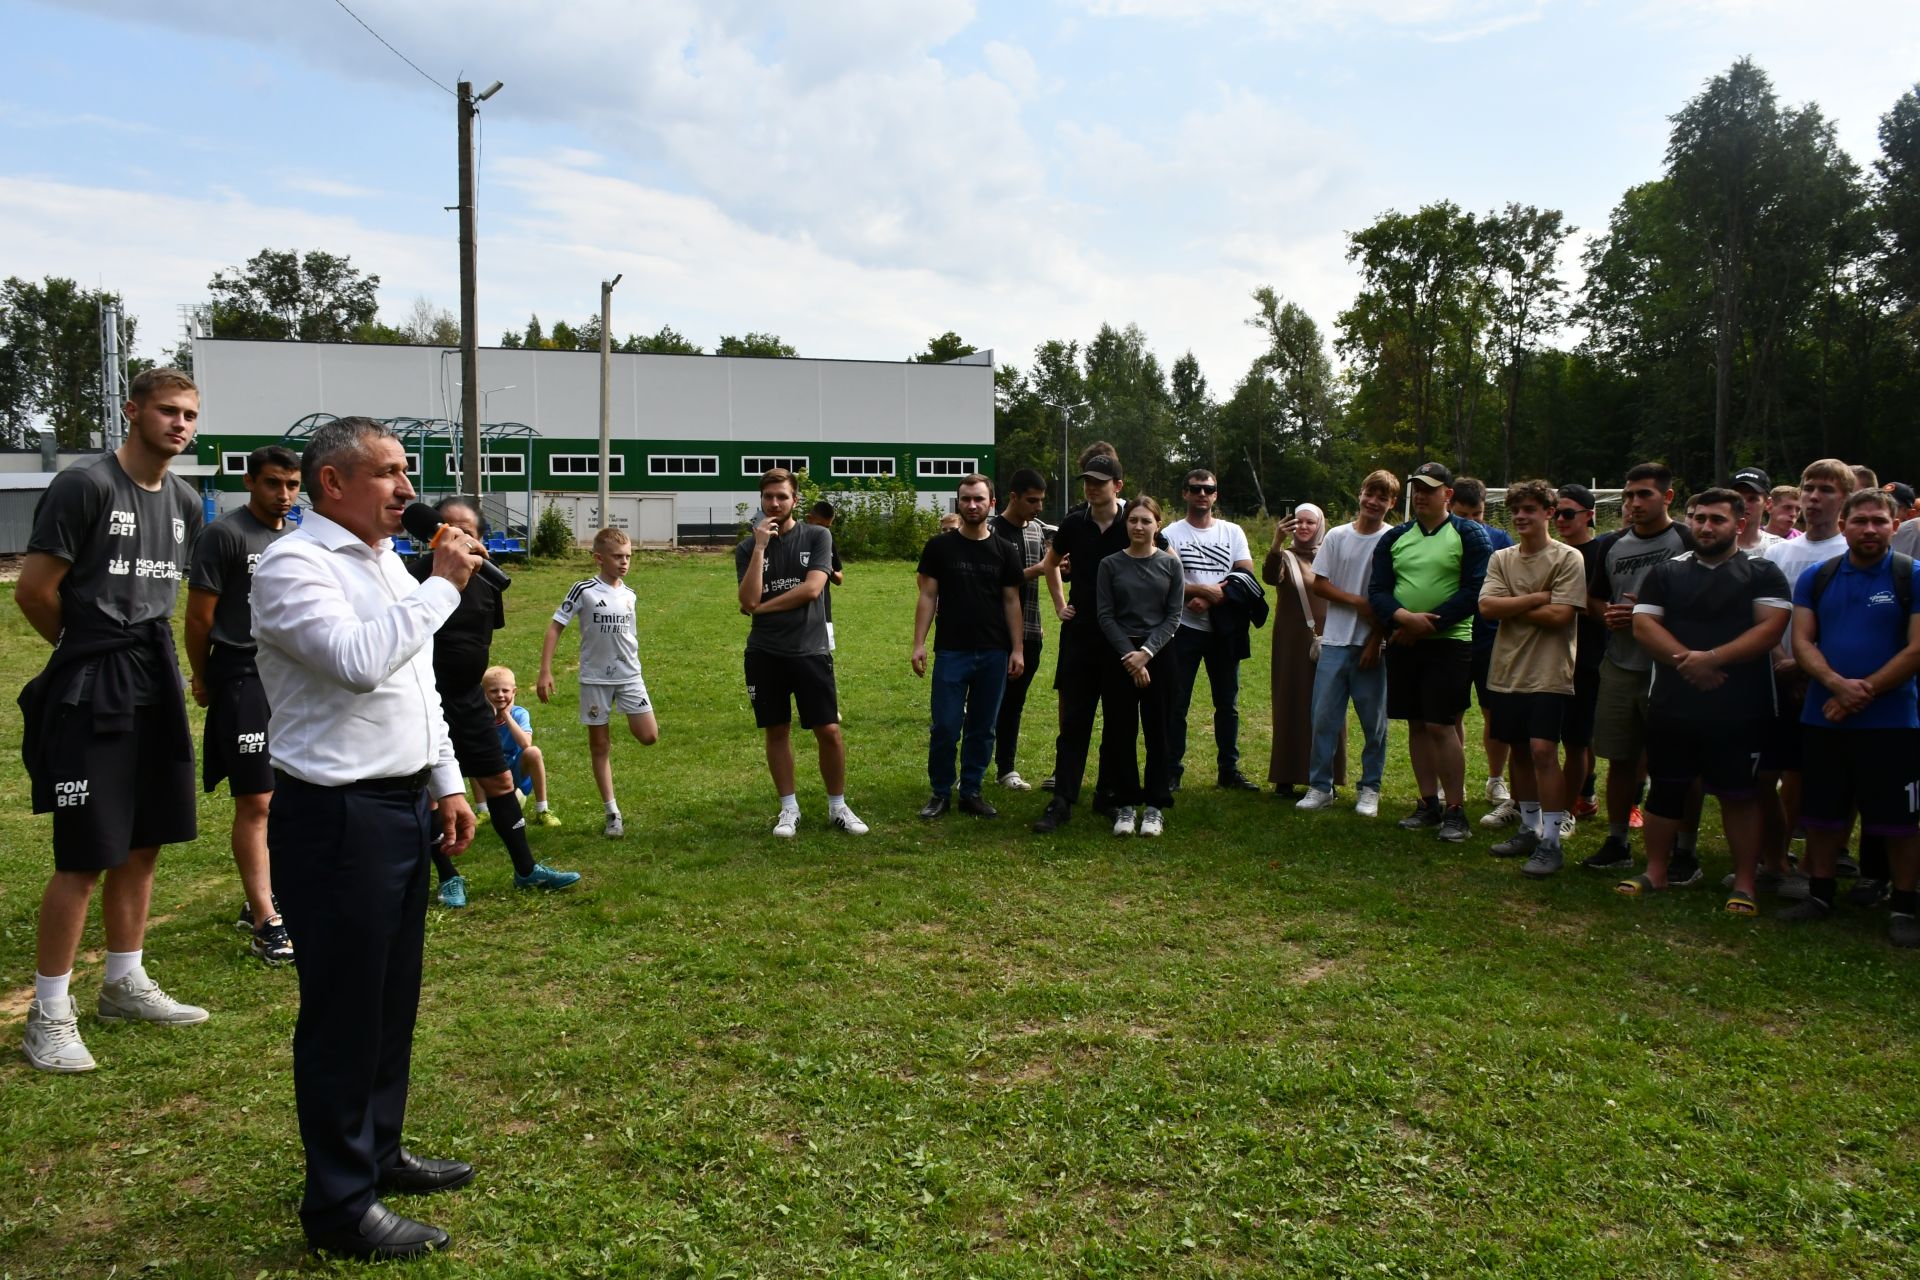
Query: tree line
[1758, 303]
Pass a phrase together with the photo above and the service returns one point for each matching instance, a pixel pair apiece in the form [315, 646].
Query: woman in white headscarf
[1298, 616]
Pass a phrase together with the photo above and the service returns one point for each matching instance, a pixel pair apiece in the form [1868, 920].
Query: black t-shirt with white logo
[973, 574]
[789, 558]
[1705, 606]
[128, 548]
[223, 562]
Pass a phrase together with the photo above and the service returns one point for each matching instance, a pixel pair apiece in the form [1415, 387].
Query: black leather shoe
[936, 806]
[976, 806]
[1053, 817]
[382, 1233]
[413, 1176]
[1234, 780]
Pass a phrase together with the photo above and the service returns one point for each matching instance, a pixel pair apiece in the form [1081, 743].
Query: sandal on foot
[1741, 904]
[1640, 884]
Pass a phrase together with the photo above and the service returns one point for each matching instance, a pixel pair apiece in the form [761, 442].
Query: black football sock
[504, 812]
[444, 866]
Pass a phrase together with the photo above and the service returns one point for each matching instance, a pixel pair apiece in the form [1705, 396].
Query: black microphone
[423, 524]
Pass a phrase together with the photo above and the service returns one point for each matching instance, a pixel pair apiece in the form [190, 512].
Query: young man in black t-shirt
[971, 579]
[107, 742]
[220, 652]
[782, 568]
[1708, 619]
[1019, 524]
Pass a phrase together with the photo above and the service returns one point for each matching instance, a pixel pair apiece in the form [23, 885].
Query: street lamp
[486, 414]
[1066, 417]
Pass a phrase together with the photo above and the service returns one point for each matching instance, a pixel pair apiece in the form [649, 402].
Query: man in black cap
[1752, 484]
[1427, 575]
[1573, 525]
[1086, 536]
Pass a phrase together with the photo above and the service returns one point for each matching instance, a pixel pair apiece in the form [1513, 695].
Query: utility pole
[468, 106]
[606, 400]
[1066, 460]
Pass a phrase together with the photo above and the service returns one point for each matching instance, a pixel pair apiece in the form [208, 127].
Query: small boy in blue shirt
[515, 728]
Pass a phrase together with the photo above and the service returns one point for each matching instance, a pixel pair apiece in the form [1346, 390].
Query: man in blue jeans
[1209, 549]
[1350, 668]
[970, 580]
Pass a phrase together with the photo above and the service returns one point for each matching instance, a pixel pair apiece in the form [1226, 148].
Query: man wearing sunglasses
[1209, 550]
[1573, 525]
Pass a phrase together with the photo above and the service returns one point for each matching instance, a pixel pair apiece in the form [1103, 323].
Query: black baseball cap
[1902, 493]
[1101, 467]
[1753, 478]
[1579, 494]
[1433, 475]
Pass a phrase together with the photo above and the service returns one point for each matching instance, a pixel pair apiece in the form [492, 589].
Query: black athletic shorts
[116, 792]
[1780, 745]
[476, 743]
[778, 682]
[1482, 671]
[1518, 718]
[1430, 682]
[236, 737]
[1576, 730]
[1725, 756]
[1875, 770]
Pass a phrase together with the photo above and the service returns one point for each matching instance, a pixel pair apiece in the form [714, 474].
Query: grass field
[1268, 1044]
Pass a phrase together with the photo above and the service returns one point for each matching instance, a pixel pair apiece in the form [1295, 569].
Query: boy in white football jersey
[609, 662]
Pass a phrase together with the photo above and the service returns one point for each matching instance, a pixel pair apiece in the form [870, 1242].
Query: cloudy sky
[857, 175]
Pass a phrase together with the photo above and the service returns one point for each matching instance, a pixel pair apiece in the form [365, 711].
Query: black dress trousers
[350, 870]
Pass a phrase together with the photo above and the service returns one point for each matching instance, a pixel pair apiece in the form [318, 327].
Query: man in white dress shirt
[365, 786]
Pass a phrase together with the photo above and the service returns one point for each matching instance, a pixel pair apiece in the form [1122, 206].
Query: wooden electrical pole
[469, 308]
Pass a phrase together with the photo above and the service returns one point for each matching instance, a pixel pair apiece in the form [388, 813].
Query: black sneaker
[272, 944]
[1807, 909]
[936, 806]
[1868, 893]
[1614, 854]
[1046, 783]
[1453, 826]
[1424, 815]
[1234, 780]
[1053, 817]
[1903, 931]
[1683, 871]
[1520, 844]
[245, 923]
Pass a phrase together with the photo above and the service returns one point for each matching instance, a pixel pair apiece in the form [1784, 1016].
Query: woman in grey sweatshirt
[1140, 594]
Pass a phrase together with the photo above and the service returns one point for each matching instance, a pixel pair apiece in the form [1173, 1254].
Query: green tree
[317, 298]
[754, 344]
[667, 341]
[1528, 300]
[1132, 407]
[50, 358]
[429, 325]
[948, 346]
[1024, 431]
[1195, 415]
[1302, 374]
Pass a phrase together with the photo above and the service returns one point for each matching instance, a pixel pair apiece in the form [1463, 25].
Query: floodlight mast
[606, 383]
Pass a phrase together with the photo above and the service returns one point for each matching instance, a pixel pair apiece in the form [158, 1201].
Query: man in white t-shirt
[1350, 668]
[1752, 484]
[1209, 549]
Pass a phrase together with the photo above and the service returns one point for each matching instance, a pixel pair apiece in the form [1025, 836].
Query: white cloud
[332, 188]
[1457, 19]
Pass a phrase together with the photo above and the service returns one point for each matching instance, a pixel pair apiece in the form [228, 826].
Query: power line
[396, 53]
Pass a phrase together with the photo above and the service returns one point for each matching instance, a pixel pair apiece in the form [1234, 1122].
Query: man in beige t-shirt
[1535, 589]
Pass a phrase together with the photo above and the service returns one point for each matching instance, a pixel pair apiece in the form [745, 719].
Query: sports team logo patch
[179, 529]
[805, 556]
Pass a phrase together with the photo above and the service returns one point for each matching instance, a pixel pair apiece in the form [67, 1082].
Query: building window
[863, 466]
[585, 464]
[933, 468]
[233, 464]
[682, 464]
[494, 464]
[754, 468]
[413, 464]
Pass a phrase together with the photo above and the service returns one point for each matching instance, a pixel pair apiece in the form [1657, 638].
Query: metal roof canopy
[422, 430]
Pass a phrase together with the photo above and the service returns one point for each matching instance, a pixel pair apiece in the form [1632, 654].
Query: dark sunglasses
[1568, 513]
[1203, 488]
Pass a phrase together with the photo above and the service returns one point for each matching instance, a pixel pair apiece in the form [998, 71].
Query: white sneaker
[847, 820]
[616, 827]
[53, 1038]
[1504, 814]
[1497, 792]
[1012, 781]
[1567, 824]
[1368, 803]
[787, 823]
[1151, 824]
[1314, 800]
[137, 998]
[1123, 820]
